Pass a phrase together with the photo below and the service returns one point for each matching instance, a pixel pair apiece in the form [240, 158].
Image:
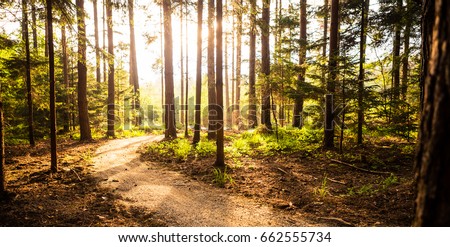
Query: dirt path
[175, 198]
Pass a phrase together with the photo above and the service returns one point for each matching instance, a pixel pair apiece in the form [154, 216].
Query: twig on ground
[359, 168]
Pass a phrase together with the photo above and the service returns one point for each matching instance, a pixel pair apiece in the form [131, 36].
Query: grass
[322, 191]
[221, 178]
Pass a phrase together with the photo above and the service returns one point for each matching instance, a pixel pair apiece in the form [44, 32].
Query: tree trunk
[111, 90]
[65, 64]
[83, 114]
[134, 76]
[211, 74]
[362, 59]
[236, 108]
[104, 57]
[220, 157]
[298, 107]
[427, 30]
[396, 56]
[33, 25]
[171, 131]
[227, 88]
[186, 102]
[252, 118]
[51, 60]
[97, 47]
[433, 155]
[181, 64]
[405, 57]
[265, 65]
[198, 76]
[333, 70]
[28, 73]
[2, 152]
[325, 38]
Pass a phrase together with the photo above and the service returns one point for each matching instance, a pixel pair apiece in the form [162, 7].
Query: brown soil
[107, 183]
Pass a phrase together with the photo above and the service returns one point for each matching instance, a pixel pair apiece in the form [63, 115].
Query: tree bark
[181, 64]
[396, 56]
[83, 114]
[220, 155]
[51, 60]
[325, 39]
[97, 47]
[433, 153]
[212, 114]
[186, 97]
[111, 90]
[236, 108]
[65, 63]
[134, 76]
[252, 118]
[25, 37]
[362, 59]
[333, 71]
[198, 76]
[298, 106]
[405, 57]
[265, 65]
[171, 131]
[33, 25]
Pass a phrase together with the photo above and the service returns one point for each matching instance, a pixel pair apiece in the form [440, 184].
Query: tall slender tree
[198, 75]
[220, 157]
[25, 37]
[51, 61]
[396, 53]
[134, 76]
[265, 65]
[212, 114]
[362, 59]
[111, 87]
[2, 151]
[181, 63]
[433, 153]
[333, 72]
[326, 11]
[299, 98]
[252, 118]
[236, 110]
[171, 131]
[186, 98]
[97, 47]
[65, 63]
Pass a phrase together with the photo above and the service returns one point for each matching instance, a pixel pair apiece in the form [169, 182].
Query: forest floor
[115, 183]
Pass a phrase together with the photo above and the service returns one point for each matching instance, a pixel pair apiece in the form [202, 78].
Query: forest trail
[174, 198]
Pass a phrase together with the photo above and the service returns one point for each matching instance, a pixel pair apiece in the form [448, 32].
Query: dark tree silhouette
[198, 76]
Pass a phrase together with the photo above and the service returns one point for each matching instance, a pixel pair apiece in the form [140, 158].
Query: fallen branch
[76, 174]
[359, 168]
[336, 181]
[346, 223]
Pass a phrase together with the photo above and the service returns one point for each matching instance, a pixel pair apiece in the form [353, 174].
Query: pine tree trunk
[427, 30]
[111, 90]
[236, 108]
[433, 155]
[134, 76]
[212, 114]
[181, 64]
[227, 88]
[186, 96]
[362, 60]
[97, 47]
[298, 107]
[265, 65]
[65, 78]
[51, 60]
[34, 25]
[28, 73]
[104, 30]
[83, 114]
[171, 131]
[325, 39]
[405, 57]
[396, 56]
[333, 72]
[2, 152]
[252, 117]
[198, 76]
[220, 155]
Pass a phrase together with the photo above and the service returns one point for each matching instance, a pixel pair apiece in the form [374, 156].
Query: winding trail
[175, 198]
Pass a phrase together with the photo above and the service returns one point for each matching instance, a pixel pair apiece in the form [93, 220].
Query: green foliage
[205, 148]
[322, 191]
[179, 148]
[221, 178]
[389, 181]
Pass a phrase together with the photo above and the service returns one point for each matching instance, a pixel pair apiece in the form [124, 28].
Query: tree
[220, 158]
[265, 65]
[171, 131]
[253, 122]
[433, 153]
[331, 83]
[299, 98]
[83, 114]
[26, 39]
[236, 108]
[2, 151]
[97, 47]
[362, 58]
[65, 65]
[51, 61]
[211, 74]
[134, 76]
[198, 76]
[111, 89]
[396, 54]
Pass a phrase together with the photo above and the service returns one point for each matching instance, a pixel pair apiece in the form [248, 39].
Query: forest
[224, 113]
